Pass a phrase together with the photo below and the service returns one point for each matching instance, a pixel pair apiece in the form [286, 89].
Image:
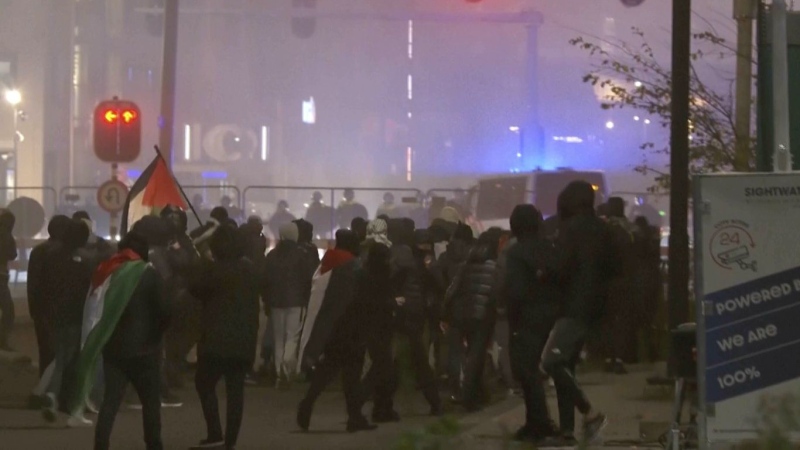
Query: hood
[305, 231]
[155, 229]
[576, 199]
[616, 207]
[335, 258]
[7, 221]
[57, 228]
[226, 244]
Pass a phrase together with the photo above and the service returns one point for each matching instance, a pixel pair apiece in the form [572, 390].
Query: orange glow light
[128, 116]
[111, 116]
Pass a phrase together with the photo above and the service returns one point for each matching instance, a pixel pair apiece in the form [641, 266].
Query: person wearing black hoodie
[305, 239]
[471, 310]
[66, 279]
[584, 266]
[532, 309]
[8, 253]
[229, 291]
[39, 303]
[407, 282]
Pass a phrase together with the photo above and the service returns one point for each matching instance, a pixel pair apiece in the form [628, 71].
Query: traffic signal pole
[166, 121]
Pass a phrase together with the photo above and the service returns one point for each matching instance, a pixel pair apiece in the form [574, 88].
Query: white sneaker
[91, 407]
[79, 421]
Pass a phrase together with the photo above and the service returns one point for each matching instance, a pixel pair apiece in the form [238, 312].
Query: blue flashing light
[215, 175]
[133, 174]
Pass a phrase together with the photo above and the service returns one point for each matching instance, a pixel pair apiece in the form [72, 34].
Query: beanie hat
[289, 232]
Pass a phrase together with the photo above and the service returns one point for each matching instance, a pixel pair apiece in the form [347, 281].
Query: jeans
[144, 373]
[68, 345]
[287, 326]
[350, 364]
[559, 357]
[45, 341]
[210, 370]
[7, 311]
[477, 333]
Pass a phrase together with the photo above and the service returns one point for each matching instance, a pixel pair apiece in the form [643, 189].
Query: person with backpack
[583, 266]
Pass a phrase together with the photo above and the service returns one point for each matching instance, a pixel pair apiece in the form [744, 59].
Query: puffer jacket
[475, 289]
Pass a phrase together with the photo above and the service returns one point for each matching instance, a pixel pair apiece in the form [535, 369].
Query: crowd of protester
[526, 302]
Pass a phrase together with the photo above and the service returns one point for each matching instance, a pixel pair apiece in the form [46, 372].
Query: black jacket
[407, 280]
[228, 291]
[286, 282]
[8, 245]
[39, 304]
[475, 289]
[66, 279]
[531, 303]
[141, 328]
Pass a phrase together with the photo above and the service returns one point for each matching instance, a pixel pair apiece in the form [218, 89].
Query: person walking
[584, 266]
[340, 330]
[130, 334]
[532, 309]
[228, 291]
[286, 287]
[471, 311]
[8, 253]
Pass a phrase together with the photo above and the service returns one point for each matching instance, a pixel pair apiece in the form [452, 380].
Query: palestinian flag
[155, 189]
[112, 286]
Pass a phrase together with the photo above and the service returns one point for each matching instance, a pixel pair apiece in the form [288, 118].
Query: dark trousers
[455, 360]
[67, 348]
[381, 380]
[44, 341]
[143, 373]
[560, 355]
[7, 311]
[502, 337]
[413, 329]
[350, 363]
[526, 347]
[209, 371]
[477, 334]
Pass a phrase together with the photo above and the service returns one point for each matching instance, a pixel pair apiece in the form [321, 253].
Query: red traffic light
[128, 116]
[117, 131]
[111, 116]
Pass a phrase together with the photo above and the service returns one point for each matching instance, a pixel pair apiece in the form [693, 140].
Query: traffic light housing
[304, 27]
[117, 131]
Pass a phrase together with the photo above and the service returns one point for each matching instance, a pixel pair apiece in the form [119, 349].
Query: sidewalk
[625, 399]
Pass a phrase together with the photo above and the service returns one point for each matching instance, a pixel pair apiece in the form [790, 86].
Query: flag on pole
[155, 189]
[113, 284]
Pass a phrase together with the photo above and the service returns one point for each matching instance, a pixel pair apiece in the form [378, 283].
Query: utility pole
[166, 121]
[743, 12]
[782, 156]
[679, 165]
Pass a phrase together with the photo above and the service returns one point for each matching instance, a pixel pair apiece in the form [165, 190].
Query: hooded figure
[40, 303]
[532, 308]
[255, 243]
[584, 265]
[280, 217]
[337, 340]
[228, 291]
[8, 253]
[349, 209]
[321, 216]
[201, 235]
[286, 287]
[305, 239]
[96, 249]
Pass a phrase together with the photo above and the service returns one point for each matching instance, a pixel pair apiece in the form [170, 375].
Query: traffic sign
[111, 196]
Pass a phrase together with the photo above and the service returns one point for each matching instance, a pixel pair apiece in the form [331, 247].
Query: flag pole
[188, 202]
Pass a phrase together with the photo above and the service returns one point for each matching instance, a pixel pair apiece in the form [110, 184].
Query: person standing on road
[340, 331]
[137, 314]
[67, 279]
[40, 300]
[321, 216]
[228, 291]
[471, 311]
[532, 308]
[286, 286]
[584, 266]
[349, 209]
[8, 253]
[280, 217]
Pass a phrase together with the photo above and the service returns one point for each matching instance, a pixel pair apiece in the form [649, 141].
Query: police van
[496, 196]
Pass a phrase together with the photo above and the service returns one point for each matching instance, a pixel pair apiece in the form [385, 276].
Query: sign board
[111, 196]
[747, 282]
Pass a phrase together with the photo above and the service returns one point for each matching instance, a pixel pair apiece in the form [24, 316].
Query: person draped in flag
[129, 314]
[337, 337]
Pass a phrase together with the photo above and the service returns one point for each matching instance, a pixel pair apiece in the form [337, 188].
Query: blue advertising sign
[751, 332]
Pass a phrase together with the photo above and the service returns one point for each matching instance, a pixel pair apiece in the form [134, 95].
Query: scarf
[378, 230]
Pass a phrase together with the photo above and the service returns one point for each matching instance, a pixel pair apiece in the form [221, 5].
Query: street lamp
[14, 98]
